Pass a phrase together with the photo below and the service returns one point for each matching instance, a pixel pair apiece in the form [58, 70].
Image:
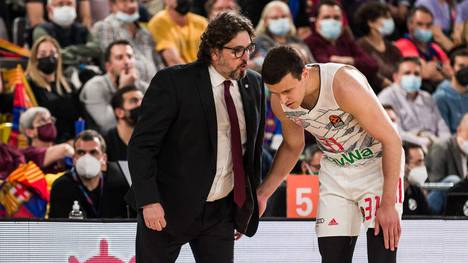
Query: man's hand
[388, 221]
[153, 214]
[128, 77]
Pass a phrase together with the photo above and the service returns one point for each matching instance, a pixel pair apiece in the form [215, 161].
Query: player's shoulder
[347, 77]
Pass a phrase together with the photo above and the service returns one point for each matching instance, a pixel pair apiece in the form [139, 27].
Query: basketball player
[361, 172]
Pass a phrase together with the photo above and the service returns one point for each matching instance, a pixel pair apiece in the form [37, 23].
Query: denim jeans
[437, 198]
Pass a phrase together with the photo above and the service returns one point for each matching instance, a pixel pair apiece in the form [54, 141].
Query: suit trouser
[211, 237]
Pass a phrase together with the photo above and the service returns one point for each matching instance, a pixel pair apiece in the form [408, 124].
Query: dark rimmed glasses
[239, 51]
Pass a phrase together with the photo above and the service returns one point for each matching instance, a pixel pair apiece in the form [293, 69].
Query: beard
[239, 72]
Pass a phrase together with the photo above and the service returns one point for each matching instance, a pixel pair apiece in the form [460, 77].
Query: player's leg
[338, 218]
[337, 249]
[337, 226]
[376, 252]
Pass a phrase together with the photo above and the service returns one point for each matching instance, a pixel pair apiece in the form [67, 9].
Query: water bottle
[79, 126]
[76, 213]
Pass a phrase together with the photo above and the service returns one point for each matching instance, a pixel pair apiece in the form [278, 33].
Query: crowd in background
[89, 63]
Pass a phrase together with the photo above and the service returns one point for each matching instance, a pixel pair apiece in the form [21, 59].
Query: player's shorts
[349, 197]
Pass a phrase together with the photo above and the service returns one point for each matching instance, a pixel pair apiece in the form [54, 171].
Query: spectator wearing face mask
[275, 28]
[177, 32]
[444, 12]
[374, 20]
[98, 186]
[126, 104]
[122, 24]
[74, 38]
[451, 96]
[418, 43]
[50, 88]
[39, 126]
[330, 43]
[36, 11]
[97, 93]
[416, 110]
[415, 202]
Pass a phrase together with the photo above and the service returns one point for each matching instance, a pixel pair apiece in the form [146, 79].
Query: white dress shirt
[223, 182]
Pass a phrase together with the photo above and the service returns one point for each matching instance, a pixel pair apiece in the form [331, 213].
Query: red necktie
[236, 147]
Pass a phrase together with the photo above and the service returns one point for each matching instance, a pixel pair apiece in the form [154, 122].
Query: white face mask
[418, 175]
[126, 18]
[64, 15]
[88, 166]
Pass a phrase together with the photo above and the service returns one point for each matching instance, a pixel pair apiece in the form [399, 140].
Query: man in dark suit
[195, 152]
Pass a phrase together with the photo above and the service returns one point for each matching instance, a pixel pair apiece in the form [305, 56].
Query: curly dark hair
[220, 31]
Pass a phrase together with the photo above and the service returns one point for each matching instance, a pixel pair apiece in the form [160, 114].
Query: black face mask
[134, 115]
[47, 65]
[462, 76]
[183, 6]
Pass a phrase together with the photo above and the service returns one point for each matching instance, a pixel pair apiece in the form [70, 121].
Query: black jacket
[172, 152]
[111, 204]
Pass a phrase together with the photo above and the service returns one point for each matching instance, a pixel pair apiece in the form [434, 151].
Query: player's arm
[287, 154]
[353, 95]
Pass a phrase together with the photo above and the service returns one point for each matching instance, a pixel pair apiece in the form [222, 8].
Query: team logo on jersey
[336, 121]
[333, 222]
[353, 156]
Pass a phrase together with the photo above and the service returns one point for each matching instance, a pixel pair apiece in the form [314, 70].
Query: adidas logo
[333, 222]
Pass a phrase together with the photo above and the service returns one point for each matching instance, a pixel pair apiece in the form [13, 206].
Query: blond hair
[261, 27]
[38, 77]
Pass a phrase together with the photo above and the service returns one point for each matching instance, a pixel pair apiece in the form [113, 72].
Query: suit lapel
[249, 109]
[207, 100]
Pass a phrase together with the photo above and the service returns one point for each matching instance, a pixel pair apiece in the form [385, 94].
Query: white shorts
[349, 196]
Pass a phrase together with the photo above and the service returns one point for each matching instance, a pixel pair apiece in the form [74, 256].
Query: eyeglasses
[240, 50]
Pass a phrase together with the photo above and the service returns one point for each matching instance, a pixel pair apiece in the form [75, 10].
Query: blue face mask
[387, 28]
[279, 27]
[423, 35]
[330, 29]
[126, 18]
[411, 83]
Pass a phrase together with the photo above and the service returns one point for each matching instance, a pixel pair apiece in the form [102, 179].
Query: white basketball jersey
[339, 135]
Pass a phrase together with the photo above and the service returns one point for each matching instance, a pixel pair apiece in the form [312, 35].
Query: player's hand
[262, 203]
[387, 220]
[153, 214]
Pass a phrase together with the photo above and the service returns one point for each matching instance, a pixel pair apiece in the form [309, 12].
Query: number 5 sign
[302, 193]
